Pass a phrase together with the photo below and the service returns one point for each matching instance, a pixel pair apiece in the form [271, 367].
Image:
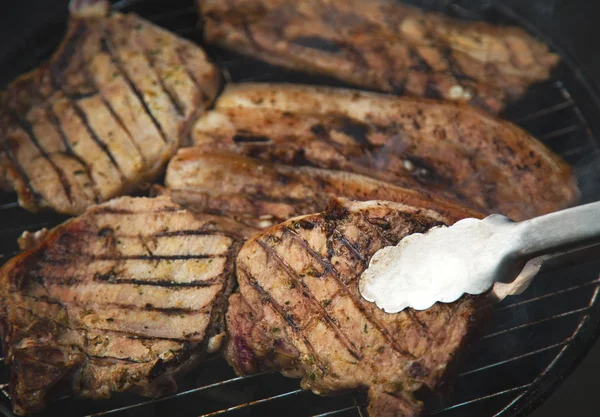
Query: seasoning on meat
[261, 194]
[120, 299]
[298, 310]
[453, 151]
[104, 114]
[384, 45]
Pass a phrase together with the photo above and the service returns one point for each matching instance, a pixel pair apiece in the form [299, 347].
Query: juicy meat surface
[298, 310]
[252, 190]
[104, 114]
[384, 45]
[449, 150]
[119, 299]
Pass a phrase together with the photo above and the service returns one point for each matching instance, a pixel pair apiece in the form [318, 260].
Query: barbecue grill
[530, 344]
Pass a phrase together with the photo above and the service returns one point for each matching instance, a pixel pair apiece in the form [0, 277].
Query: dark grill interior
[532, 341]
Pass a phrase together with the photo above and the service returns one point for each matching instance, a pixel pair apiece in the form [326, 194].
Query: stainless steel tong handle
[559, 231]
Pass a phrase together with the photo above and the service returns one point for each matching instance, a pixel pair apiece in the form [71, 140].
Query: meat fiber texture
[120, 299]
[261, 194]
[104, 115]
[298, 310]
[452, 151]
[384, 45]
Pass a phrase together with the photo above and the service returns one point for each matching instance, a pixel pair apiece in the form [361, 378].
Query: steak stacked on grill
[298, 309]
[384, 45]
[104, 114]
[119, 299]
[449, 150]
[261, 194]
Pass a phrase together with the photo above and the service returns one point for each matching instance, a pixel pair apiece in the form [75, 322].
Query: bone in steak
[385, 45]
[260, 194]
[449, 150]
[104, 114]
[298, 310]
[119, 299]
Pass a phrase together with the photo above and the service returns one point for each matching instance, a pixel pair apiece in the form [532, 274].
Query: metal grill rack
[532, 341]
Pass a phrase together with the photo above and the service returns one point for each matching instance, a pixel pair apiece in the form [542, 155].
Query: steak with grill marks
[120, 299]
[384, 45]
[298, 310]
[450, 150]
[104, 114]
[260, 194]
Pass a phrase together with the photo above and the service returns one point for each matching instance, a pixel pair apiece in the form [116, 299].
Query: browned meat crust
[119, 299]
[298, 310]
[384, 45]
[246, 188]
[450, 150]
[104, 114]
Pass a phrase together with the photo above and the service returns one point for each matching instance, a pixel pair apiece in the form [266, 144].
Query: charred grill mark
[125, 307]
[96, 138]
[153, 257]
[110, 279]
[245, 26]
[229, 235]
[431, 89]
[376, 230]
[390, 74]
[424, 329]
[28, 129]
[112, 112]
[347, 244]
[318, 43]
[241, 138]
[419, 64]
[326, 264]
[401, 88]
[286, 317]
[322, 313]
[73, 100]
[149, 56]
[357, 130]
[181, 56]
[117, 359]
[115, 210]
[33, 193]
[109, 48]
[328, 12]
[53, 118]
[322, 133]
[447, 53]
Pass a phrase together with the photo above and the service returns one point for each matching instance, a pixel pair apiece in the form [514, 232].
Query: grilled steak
[450, 150]
[104, 114]
[121, 298]
[298, 310]
[246, 188]
[384, 45]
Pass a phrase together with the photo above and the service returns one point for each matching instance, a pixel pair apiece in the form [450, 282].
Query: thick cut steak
[384, 45]
[119, 299]
[450, 150]
[252, 190]
[104, 114]
[298, 310]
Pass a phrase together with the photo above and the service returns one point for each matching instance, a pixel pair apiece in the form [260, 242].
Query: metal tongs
[472, 256]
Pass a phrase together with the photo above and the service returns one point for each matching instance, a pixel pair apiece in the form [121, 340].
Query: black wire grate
[532, 341]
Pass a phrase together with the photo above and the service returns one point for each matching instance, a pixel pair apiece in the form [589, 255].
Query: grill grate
[531, 342]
